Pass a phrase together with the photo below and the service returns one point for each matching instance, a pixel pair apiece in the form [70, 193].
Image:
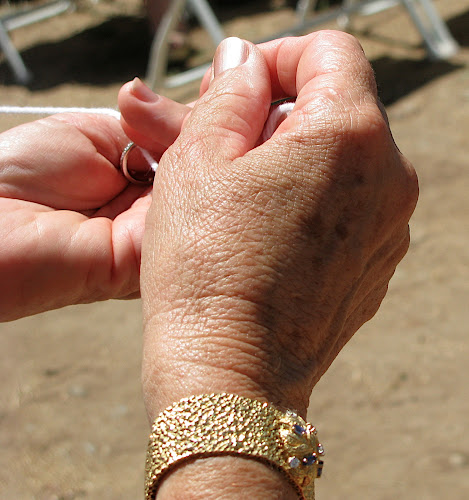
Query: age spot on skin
[341, 230]
[359, 179]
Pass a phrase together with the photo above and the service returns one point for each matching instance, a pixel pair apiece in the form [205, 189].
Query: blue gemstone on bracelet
[299, 430]
[309, 459]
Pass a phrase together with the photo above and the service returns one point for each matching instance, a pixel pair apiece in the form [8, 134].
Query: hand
[260, 263]
[71, 226]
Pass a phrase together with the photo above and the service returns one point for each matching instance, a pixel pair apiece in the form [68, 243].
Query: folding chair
[21, 18]
[438, 40]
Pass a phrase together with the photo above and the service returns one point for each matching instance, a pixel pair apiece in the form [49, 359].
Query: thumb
[228, 119]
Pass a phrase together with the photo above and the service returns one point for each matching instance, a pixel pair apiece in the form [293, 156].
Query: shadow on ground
[118, 49]
[399, 77]
[114, 51]
[459, 27]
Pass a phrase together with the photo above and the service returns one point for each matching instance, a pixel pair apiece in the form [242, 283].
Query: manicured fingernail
[142, 92]
[231, 52]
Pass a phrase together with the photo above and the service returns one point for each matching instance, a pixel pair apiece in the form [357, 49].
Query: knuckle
[338, 38]
[346, 55]
[412, 186]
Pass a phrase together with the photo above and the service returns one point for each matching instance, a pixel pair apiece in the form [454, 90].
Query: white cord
[52, 110]
[277, 115]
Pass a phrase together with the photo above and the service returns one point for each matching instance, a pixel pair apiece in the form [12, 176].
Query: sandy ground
[393, 410]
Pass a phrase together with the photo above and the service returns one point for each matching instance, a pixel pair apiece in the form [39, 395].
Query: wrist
[213, 355]
[225, 478]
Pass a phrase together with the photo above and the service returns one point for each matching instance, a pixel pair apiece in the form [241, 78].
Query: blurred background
[393, 410]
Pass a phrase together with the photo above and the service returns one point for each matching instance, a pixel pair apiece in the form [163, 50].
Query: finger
[336, 103]
[81, 259]
[228, 119]
[328, 74]
[333, 78]
[150, 120]
[123, 202]
[294, 61]
[143, 141]
[105, 134]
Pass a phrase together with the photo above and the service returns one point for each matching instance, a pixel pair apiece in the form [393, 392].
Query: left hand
[71, 225]
[261, 262]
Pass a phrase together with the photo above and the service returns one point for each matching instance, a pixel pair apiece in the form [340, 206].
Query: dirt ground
[393, 410]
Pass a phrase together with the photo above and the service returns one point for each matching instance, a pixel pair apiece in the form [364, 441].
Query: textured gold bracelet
[220, 424]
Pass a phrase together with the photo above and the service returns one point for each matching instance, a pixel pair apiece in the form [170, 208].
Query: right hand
[260, 264]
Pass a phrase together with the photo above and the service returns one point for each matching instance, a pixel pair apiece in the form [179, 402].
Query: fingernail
[142, 92]
[231, 52]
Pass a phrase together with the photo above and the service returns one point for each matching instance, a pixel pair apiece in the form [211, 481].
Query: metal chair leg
[158, 60]
[25, 18]
[303, 7]
[156, 73]
[22, 74]
[364, 8]
[438, 40]
[207, 18]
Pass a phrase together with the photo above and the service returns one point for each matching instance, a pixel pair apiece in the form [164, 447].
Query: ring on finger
[143, 179]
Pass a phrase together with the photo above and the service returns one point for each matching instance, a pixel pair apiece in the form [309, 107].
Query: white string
[277, 114]
[52, 110]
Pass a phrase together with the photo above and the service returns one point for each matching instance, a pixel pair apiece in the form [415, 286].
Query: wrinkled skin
[259, 263]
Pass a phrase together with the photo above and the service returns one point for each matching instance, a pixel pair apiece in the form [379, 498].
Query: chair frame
[21, 18]
[436, 36]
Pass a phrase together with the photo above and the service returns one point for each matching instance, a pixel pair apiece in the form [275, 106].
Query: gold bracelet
[220, 424]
